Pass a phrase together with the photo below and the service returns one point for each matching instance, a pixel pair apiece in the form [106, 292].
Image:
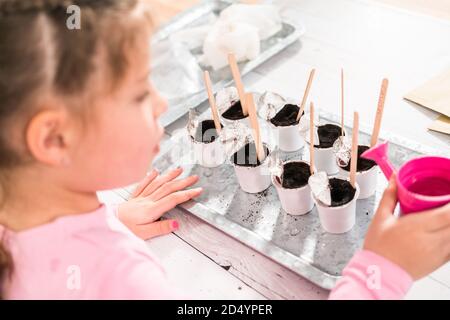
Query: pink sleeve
[137, 279]
[370, 276]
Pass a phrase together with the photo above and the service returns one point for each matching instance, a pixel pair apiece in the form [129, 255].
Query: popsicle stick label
[379, 113]
[306, 93]
[212, 101]
[238, 80]
[342, 102]
[255, 126]
[311, 139]
[354, 158]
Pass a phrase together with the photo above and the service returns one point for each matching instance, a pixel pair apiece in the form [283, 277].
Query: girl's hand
[419, 243]
[153, 197]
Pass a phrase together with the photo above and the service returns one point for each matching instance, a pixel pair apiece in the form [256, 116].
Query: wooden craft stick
[342, 102]
[238, 80]
[379, 114]
[255, 126]
[306, 93]
[311, 139]
[212, 102]
[354, 159]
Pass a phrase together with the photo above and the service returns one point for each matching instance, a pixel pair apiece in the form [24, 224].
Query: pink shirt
[87, 256]
[369, 276]
[94, 256]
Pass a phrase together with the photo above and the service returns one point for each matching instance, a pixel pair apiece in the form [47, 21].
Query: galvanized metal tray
[297, 242]
[221, 78]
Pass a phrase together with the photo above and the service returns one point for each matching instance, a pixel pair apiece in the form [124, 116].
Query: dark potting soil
[246, 156]
[234, 112]
[287, 116]
[295, 175]
[206, 132]
[342, 192]
[328, 134]
[363, 164]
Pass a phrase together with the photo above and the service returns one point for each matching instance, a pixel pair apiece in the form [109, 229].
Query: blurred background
[439, 8]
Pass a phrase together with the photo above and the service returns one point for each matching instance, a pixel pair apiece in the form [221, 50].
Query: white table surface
[370, 41]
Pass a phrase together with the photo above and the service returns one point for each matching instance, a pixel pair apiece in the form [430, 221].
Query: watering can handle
[379, 154]
[387, 168]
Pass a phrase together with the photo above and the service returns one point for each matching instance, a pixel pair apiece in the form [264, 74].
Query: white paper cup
[289, 138]
[338, 219]
[296, 201]
[208, 155]
[325, 160]
[253, 179]
[367, 181]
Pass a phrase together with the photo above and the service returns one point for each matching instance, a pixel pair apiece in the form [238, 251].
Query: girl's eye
[142, 97]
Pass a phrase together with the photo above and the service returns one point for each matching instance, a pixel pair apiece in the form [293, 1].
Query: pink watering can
[423, 183]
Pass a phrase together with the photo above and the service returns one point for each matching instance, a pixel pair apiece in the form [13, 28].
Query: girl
[77, 115]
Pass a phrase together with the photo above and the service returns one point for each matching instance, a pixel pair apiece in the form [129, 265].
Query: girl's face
[123, 137]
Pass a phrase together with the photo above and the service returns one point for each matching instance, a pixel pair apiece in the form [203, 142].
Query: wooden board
[442, 125]
[435, 8]
[434, 94]
[262, 274]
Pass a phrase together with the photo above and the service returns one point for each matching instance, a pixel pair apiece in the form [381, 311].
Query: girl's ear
[48, 137]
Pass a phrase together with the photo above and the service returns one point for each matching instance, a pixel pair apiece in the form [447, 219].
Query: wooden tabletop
[166, 9]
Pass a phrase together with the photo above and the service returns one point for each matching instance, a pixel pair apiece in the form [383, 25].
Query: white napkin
[269, 104]
[320, 187]
[225, 97]
[304, 127]
[240, 29]
[230, 36]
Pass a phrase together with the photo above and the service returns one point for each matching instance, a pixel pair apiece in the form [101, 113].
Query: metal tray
[221, 78]
[297, 242]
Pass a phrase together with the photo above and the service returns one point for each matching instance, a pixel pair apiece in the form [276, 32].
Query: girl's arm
[396, 252]
[369, 276]
[135, 277]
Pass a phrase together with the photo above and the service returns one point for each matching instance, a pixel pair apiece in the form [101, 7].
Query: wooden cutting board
[435, 95]
[442, 124]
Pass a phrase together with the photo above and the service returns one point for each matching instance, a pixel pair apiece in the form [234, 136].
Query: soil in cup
[234, 112]
[342, 192]
[287, 116]
[295, 175]
[246, 156]
[363, 164]
[328, 134]
[206, 132]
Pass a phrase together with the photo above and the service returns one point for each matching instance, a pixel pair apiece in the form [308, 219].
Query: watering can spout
[378, 154]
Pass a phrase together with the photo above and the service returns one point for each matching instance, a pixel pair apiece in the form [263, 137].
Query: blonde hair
[38, 51]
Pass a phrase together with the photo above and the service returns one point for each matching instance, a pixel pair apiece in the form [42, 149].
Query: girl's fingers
[176, 198]
[144, 183]
[155, 229]
[173, 186]
[436, 219]
[440, 240]
[388, 202]
[159, 181]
